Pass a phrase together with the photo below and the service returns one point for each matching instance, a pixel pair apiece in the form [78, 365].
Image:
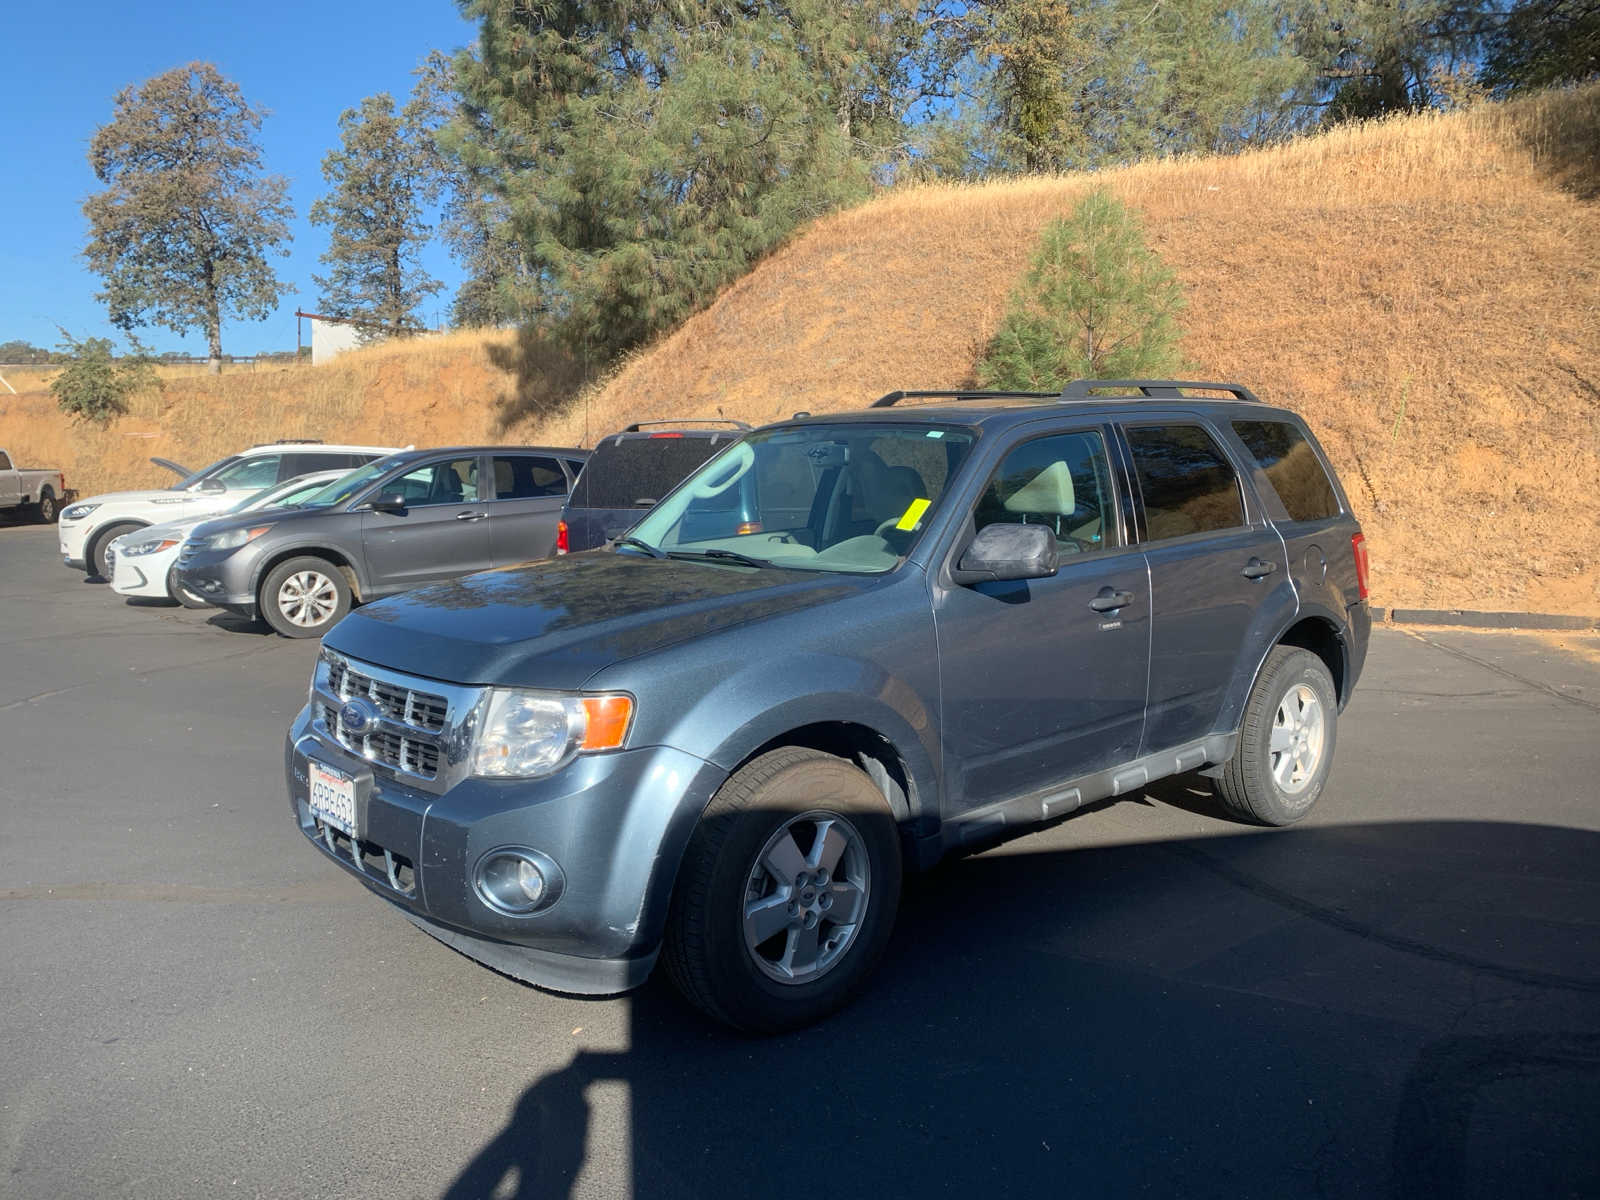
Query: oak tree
[182, 232]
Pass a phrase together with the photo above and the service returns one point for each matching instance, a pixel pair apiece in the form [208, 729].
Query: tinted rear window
[1186, 481]
[1296, 473]
[623, 471]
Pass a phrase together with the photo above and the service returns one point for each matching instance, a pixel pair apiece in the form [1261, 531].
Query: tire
[45, 512]
[95, 562]
[304, 597]
[182, 594]
[760, 852]
[1294, 705]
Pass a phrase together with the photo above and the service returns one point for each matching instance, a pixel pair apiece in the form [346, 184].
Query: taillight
[561, 540]
[1358, 547]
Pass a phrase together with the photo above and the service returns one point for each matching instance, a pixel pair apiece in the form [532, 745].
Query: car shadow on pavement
[1395, 1009]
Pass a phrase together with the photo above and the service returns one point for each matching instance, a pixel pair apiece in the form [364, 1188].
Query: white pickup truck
[37, 492]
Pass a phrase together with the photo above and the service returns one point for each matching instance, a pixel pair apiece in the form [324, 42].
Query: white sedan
[142, 561]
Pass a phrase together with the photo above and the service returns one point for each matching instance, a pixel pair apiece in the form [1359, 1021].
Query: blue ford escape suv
[925, 624]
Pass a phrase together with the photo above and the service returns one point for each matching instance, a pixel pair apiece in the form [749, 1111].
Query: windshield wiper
[718, 552]
[652, 551]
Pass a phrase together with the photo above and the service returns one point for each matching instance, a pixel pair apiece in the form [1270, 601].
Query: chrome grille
[413, 727]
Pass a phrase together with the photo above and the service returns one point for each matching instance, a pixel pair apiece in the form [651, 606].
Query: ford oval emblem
[358, 716]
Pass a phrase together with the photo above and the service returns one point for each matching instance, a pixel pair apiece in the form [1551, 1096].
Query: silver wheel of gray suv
[787, 893]
[1285, 748]
[304, 597]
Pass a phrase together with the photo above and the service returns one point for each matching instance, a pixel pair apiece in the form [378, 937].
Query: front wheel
[1285, 749]
[98, 560]
[304, 597]
[787, 894]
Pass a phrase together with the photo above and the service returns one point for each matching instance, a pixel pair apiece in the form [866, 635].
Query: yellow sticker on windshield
[908, 519]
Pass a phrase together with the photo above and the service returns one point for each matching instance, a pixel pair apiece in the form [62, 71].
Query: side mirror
[1002, 552]
[211, 485]
[394, 504]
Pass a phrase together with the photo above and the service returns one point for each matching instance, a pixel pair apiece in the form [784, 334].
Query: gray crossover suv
[922, 626]
[408, 519]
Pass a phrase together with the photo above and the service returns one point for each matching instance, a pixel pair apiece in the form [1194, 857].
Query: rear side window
[527, 477]
[307, 461]
[627, 472]
[5, 463]
[1186, 481]
[1296, 473]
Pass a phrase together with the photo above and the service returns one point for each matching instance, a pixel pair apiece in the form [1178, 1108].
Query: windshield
[347, 485]
[843, 497]
[189, 481]
[286, 495]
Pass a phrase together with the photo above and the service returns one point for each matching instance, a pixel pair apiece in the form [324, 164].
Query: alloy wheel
[806, 897]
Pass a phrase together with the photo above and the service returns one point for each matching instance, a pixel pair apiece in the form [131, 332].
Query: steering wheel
[892, 525]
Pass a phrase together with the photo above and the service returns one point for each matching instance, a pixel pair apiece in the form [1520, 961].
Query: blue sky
[305, 62]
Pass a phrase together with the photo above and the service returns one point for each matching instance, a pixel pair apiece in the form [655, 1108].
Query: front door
[443, 532]
[1043, 680]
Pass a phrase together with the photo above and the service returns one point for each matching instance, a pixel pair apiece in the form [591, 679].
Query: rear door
[1044, 679]
[443, 532]
[528, 493]
[1214, 562]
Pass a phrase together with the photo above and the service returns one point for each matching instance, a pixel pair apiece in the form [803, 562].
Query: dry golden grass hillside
[1425, 290]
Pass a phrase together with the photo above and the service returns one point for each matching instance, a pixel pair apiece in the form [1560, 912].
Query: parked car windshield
[347, 485]
[844, 497]
[189, 481]
[288, 494]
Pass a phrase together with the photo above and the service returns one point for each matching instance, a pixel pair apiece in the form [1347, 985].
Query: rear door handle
[1258, 568]
[471, 516]
[1109, 600]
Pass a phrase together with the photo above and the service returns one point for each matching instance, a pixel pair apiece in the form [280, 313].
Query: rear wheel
[98, 560]
[1285, 749]
[304, 597]
[787, 893]
[46, 510]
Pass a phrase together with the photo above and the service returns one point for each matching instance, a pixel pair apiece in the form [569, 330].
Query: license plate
[332, 797]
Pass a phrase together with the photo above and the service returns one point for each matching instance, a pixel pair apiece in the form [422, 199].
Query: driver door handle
[1109, 600]
[471, 516]
[1257, 568]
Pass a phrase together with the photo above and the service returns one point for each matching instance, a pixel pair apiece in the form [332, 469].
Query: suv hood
[555, 623]
[258, 516]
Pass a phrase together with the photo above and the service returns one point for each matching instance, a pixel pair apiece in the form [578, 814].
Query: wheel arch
[1308, 629]
[876, 755]
[338, 558]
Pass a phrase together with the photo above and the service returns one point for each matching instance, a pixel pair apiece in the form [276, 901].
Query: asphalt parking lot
[1399, 997]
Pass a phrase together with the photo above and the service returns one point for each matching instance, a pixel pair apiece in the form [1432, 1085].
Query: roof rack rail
[1155, 389]
[638, 425]
[289, 442]
[890, 399]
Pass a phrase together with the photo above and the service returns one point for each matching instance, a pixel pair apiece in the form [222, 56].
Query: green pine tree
[1096, 303]
[384, 175]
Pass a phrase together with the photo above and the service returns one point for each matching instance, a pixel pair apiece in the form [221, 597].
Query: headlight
[78, 512]
[233, 538]
[522, 735]
[135, 549]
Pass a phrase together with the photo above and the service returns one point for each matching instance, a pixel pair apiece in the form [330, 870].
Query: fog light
[517, 882]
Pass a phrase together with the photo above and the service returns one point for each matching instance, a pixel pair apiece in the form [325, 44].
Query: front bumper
[142, 574]
[615, 825]
[71, 540]
[225, 578]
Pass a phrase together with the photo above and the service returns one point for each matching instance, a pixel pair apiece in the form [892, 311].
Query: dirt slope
[1426, 291]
